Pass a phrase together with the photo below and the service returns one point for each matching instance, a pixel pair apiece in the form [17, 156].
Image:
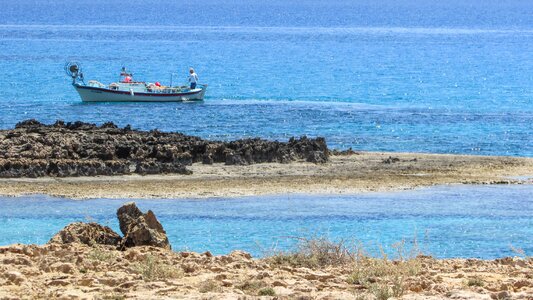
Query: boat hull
[96, 94]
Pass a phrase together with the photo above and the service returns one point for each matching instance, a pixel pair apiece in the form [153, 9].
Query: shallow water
[447, 221]
[424, 76]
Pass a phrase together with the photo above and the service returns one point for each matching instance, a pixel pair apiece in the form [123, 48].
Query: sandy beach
[353, 173]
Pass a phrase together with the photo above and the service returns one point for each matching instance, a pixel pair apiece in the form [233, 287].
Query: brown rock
[87, 282]
[500, 295]
[522, 283]
[240, 254]
[128, 284]
[17, 261]
[279, 283]
[58, 282]
[14, 277]
[67, 268]
[318, 276]
[86, 233]
[226, 283]
[141, 229]
[189, 267]
[134, 255]
[127, 215]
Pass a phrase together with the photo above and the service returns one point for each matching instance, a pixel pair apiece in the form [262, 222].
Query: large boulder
[140, 229]
[86, 233]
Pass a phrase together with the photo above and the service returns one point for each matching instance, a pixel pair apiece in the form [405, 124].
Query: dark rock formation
[64, 149]
[86, 233]
[390, 160]
[140, 229]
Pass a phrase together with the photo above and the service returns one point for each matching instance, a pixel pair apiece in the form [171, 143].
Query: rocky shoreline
[341, 174]
[90, 261]
[62, 149]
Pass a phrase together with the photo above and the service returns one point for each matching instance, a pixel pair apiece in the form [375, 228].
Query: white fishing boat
[128, 90]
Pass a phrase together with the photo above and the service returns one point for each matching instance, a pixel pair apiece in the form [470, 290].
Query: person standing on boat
[193, 78]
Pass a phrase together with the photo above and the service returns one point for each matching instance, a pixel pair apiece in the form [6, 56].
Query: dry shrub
[251, 286]
[266, 292]
[110, 296]
[152, 268]
[475, 281]
[209, 286]
[381, 276]
[384, 277]
[520, 253]
[102, 255]
[315, 252]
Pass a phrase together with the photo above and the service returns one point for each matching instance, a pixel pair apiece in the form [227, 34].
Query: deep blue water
[448, 221]
[426, 76]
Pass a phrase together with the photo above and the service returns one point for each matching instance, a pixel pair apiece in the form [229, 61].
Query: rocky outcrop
[141, 229]
[86, 233]
[62, 149]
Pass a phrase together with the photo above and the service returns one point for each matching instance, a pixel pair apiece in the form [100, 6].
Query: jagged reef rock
[86, 233]
[62, 149]
[140, 229]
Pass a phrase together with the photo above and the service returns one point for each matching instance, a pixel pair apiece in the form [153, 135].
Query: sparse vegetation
[390, 274]
[101, 255]
[381, 291]
[112, 296]
[383, 277]
[209, 286]
[251, 286]
[152, 268]
[475, 281]
[266, 292]
[315, 252]
[520, 253]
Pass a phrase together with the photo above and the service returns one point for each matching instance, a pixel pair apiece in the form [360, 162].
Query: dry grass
[520, 253]
[315, 252]
[383, 277]
[266, 292]
[208, 286]
[111, 296]
[152, 269]
[101, 255]
[251, 286]
[475, 281]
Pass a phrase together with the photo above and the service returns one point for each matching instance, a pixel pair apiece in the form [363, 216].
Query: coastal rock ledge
[62, 149]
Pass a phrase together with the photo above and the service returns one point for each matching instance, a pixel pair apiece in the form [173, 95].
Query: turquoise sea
[386, 75]
[449, 221]
[409, 75]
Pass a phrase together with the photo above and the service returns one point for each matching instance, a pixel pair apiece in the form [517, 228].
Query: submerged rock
[141, 229]
[86, 233]
[62, 149]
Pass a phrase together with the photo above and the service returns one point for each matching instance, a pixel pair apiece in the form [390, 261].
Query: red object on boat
[157, 84]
